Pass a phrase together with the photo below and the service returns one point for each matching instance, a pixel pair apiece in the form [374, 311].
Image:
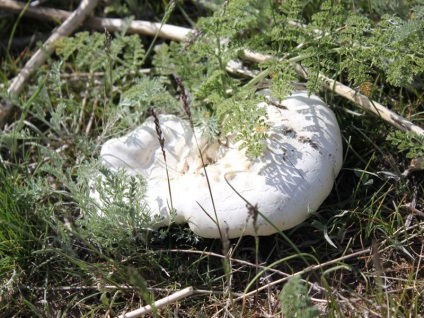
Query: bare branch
[160, 303]
[359, 99]
[69, 26]
[167, 31]
[39, 57]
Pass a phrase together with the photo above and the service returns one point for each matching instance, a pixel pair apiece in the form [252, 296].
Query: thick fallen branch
[361, 100]
[167, 31]
[39, 57]
[348, 93]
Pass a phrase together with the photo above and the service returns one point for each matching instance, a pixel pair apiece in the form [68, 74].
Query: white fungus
[301, 159]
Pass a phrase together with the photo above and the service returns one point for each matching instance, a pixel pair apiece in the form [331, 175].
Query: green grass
[361, 254]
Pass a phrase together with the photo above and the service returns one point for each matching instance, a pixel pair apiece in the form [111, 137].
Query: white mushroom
[302, 157]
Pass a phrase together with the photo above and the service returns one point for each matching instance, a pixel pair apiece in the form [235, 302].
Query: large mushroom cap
[302, 157]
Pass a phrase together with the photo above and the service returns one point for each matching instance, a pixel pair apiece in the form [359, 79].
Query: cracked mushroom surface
[301, 159]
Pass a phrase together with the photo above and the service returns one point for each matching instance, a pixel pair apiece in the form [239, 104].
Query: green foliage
[147, 92]
[144, 94]
[338, 42]
[282, 74]
[295, 301]
[86, 51]
[391, 47]
[412, 144]
[121, 209]
[20, 228]
[124, 58]
[243, 118]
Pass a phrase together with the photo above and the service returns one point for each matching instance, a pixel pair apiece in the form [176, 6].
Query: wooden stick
[363, 101]
[160, 303]
[167, 31]
[348, 93]
[39, 57]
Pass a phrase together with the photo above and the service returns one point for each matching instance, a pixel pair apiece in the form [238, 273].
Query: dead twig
[361, 100]
[170, 32]
[160, 303]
